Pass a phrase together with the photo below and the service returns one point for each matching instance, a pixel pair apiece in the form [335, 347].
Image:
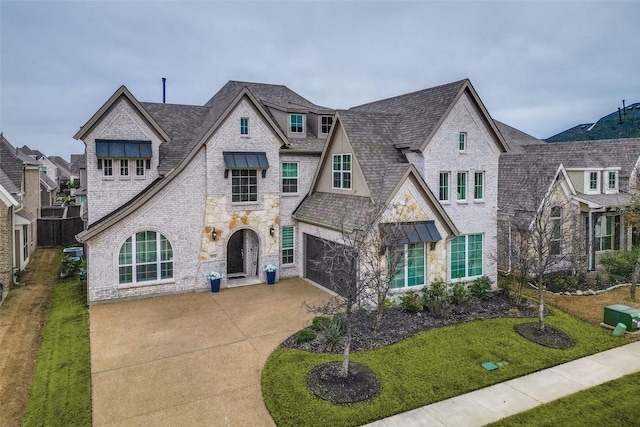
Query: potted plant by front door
[214, 279]
[270, 270]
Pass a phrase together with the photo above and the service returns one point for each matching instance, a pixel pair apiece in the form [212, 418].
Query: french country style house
[259, 175]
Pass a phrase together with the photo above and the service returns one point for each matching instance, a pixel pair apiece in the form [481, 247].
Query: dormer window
[296, 123]
[612, 181]
[244, 126]
[325, 124]
[592, 182]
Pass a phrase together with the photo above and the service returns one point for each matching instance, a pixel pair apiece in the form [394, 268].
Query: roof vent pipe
[624, 108]
[164, 90]
[619, 116]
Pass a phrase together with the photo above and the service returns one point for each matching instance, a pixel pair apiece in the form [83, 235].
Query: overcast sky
[541, 67]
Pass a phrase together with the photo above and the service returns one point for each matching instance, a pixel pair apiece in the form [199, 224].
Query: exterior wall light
[272, 231]
[214, 234]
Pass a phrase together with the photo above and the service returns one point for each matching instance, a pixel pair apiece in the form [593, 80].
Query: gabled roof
[525, 177]
[516, 139]
[617, 125]
[48, 182]
[78, 161]
[13, 162]
[64, 168]
[420, 114]
[7, 184]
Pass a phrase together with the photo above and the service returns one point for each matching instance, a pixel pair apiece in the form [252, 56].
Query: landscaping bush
[481, 288]
[460, 293]
[437, 298]
[306, 335]
[410, 302]
[331, 328]
[619, 264]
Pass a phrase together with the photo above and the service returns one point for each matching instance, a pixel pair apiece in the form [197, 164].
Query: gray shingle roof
[417, 113]
[523, 178]
[334, 210]
[516, 138]
[64, 169]
[616, 125]
[7, 183]
[11, 161]
[48, 182]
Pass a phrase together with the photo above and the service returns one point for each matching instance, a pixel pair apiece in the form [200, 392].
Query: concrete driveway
[192, 359]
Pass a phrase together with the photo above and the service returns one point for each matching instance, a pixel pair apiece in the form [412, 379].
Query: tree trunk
[634, 279]
[540, 306]
[347, 350]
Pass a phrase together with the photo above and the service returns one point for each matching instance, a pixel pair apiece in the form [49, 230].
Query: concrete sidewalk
[502, 400]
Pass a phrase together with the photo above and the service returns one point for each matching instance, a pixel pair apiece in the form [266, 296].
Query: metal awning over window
[245, 160]
[410, 232]
[123, 149]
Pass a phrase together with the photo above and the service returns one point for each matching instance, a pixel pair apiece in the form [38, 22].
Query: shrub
[459, 293]
[504, 288]
[331, 329]
[319, 322]
[481, 288]
[437, 298]
[306, 335]
[619, 264]
[410, 302]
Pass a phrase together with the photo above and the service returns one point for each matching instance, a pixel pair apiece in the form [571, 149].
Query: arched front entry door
[243, 254]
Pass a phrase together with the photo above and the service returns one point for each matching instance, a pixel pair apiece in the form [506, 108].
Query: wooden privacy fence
[59, 231]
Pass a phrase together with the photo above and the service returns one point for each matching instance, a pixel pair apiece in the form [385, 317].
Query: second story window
[289, 177]
[124, 167]
[107, 167]
[443, 194]
[593, 181]
[462, 141]
[342, 171]
[244, 126]
[555, 239]
[296, 123]
[612, 181]
[244, 185]
[478, 186]
[325, 124]
[462, 186]
[140, 167]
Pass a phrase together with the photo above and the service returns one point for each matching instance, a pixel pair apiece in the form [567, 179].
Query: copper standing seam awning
[411, 232]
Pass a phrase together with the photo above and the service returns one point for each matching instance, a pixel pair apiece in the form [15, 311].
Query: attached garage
[320, 271]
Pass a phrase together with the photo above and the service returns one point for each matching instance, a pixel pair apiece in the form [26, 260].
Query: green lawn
[432, 366]
[610, 404]
[61, 388]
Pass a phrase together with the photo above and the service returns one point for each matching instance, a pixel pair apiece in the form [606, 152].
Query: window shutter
[148, 163]
[99, 163]
[616, 232]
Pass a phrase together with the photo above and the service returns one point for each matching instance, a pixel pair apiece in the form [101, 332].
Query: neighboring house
[580, 187]
[177, 191]
[48, 190]
[8, 205]
[79, 170]
[20, 177]
[63, 170]
[621, 124]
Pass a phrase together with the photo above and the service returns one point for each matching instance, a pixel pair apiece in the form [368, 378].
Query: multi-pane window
[478, 185]
[604, 233]
[612, 181]
[124, 167]
[342, 171]
[289, 177]
[296, 123]
[139, 167]
[555, 240]
[145, 256]
[107, 167]
[244, 185]
[408, 263]
[443, 194]
[462, 186]
[466, 256]
[325, 124]
[287, 245]
[244, 126]
[593, 180]
[462, 141]
[25, 242]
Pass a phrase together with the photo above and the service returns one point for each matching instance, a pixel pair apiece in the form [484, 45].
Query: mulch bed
[551, 337]
[327, 383]
[398, 325]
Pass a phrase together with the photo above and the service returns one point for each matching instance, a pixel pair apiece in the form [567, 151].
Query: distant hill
[621, 124]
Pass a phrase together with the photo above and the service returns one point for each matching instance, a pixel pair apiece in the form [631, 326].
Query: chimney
[164, 90]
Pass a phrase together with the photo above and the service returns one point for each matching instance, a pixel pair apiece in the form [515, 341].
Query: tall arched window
[145, 256]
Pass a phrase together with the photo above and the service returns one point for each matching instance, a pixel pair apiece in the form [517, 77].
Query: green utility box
[618, 313]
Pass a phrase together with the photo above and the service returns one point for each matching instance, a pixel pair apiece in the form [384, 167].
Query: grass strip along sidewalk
[429, 367]
[61, 387]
